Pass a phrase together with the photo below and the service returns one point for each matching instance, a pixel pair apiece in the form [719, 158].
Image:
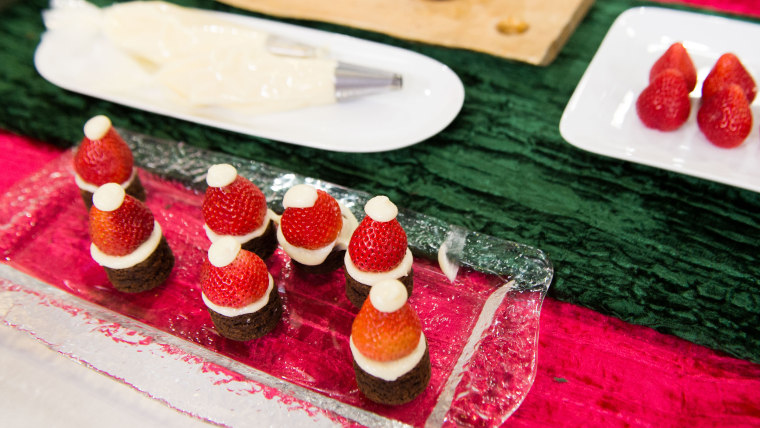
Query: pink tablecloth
[592, 369]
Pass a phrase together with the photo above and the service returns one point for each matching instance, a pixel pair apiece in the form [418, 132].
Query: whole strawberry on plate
[314, 229]
[725, 117]
[664, 104]
[676, 57]
[103, 157]
[234, 206]
[389, 350]
[127, 241]
[377, 250]
[239, 292]
[729, 70]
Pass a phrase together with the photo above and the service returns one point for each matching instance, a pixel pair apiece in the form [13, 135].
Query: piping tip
[352, 81]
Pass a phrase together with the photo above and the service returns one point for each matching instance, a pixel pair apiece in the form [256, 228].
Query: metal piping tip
[353, 81]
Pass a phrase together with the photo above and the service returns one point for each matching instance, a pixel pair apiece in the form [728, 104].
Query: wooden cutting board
[531, 31]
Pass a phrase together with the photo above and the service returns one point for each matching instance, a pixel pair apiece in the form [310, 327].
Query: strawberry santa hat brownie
[239, 292]
[377, 250]
[314, 229]
[389, 350]
[127, 241]
[103, 157]
[235, 207]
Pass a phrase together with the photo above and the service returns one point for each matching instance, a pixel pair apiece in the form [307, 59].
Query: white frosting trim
[242, 239]
[108, 197]
[370, 278]
[381, 209]
[247, 309]
[138, 255]
[220, 175]
[388, 295]
[389, 370]
[223, 251]
[89, 187]
[97, 127]
[300, 196]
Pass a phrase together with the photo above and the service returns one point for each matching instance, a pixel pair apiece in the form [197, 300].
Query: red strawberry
[236, 209]
[105, 158]
[676, 57]
[315, 226]
[120, 231]
[665, 104]
[240, 283]
[728, 69]
[377, 246]
[725, 118]
[385, 336]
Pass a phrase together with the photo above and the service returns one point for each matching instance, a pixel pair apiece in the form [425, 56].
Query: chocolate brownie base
[250, 326]
[357, 292]
[402, 390]
[145, 275]
[333, 261]
[264, 245]
[135, 189]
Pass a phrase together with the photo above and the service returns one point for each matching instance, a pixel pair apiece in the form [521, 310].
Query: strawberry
[103, 156]
[377, 246]
[235, 209]
[386, 336]
[239, 283]
[727, 70]
[725, 118]
[315, 226]
[678, 58]
[119, 229]
[665, 104]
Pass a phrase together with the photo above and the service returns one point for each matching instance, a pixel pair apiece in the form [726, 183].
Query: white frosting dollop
[221, 175]
[213, 236]
[370, 278]
[223, 251]
[388, 295]
[89, 187]
[97, 127]
[381, 209]
[389, 370]
[300, 196]
[247, 309]
[108, 197]
[141, 253]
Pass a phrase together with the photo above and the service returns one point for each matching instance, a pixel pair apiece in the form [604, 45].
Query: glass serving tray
[482, 327]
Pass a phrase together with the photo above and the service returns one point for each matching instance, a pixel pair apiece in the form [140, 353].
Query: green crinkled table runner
[656, 248]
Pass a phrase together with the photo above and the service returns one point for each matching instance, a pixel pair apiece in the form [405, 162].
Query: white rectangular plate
[431, 97]
[601, 115]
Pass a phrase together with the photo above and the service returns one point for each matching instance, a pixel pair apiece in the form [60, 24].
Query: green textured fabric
[651, 247]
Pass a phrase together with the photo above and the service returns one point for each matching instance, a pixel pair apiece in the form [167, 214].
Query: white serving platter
[601, 114]
[431, 97]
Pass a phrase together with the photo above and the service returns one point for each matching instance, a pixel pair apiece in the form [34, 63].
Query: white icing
[138, 255]
[223, 251]
[389, 370]
[300, 196]
[108, 197]
[247, 309]
[89, 187]
[370, 278]
[448, 266]
[388, 295]
[270, 216]
[317, 256]
[381, 209]
[221, 175]
[97, 127]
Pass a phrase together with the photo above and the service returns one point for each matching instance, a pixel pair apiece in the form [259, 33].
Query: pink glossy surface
[46, 236]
